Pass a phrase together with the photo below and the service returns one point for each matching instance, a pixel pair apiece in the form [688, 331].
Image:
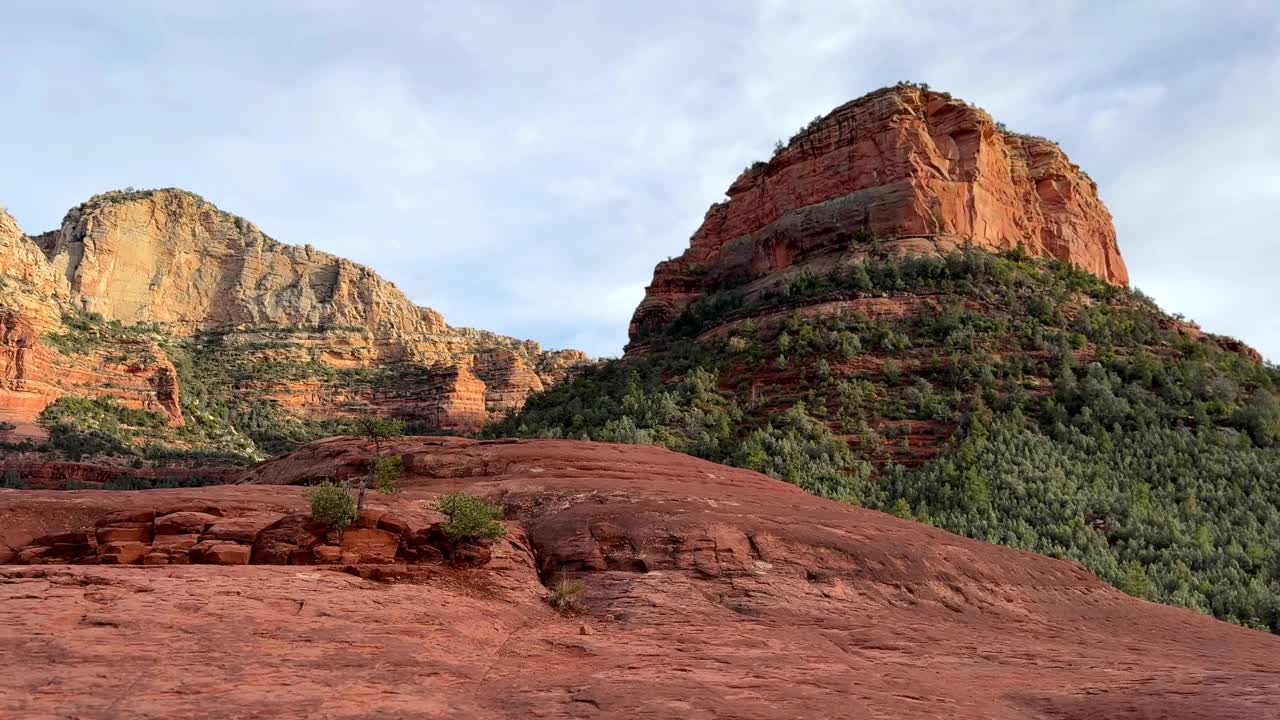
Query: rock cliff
[208, 284]
[900, 169]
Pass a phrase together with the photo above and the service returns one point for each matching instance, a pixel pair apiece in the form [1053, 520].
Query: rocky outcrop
[170, 257]
[174, 262]
[202, 531]
[900, 169]
[706, 591]
[23, 262]
[34, 373]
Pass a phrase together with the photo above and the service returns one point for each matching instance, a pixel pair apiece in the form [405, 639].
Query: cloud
[522, 168]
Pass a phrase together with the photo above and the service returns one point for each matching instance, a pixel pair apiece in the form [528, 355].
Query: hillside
[156, 329]
[1000, 387]
[707, 591]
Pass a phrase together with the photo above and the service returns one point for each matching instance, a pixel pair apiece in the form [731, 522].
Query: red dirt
[711, 592]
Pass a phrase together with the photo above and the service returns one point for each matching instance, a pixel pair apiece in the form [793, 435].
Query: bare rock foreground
[711, 592]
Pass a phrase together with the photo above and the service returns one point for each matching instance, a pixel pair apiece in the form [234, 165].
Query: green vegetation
[225, 387]
[384, 470]
[1025, 402]
[12, 481]
[138, 483]
[221, 388]
[81, 426]
[85, 332]
[332, 504]
[471, 519]
[566, 596]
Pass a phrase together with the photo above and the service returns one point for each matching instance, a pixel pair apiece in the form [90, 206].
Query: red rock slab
[30, 514]
[710, 592]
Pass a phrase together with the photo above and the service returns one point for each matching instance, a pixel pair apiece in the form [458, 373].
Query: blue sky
[521, 166]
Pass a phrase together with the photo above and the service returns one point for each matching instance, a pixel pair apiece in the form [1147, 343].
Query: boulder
[128, 517]
[409, 521]
[170, 543]
[127, 532]
[244, 528]
[226, 553]
[369, 545]
[121, 553]
[179, 523]
[71, 547]
[289, 541]
[368, 518]
[327, 554]
[33, 555]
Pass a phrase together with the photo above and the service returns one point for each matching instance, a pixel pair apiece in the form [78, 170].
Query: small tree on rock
[332, 505]
[471, 518]
[385, 471]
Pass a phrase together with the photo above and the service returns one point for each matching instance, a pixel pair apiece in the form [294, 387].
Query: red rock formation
[33, 374]
[169, 257]
[918, 170]
[709, 592]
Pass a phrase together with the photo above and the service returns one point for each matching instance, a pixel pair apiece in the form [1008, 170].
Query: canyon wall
[196, 277]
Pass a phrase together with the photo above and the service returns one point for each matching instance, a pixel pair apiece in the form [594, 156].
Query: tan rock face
[918, 171]
[171, 258]
[23, 262]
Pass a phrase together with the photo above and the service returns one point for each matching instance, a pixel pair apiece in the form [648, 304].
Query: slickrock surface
[918, 171]
[711, 592]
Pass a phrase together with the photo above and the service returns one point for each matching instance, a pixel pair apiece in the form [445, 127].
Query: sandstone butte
[902, 169]
[710, 592]
[168, 257]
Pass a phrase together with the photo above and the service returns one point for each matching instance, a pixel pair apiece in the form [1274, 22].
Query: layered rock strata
[902, 169]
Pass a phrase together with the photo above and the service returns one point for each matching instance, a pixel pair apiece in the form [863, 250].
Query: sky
[521, 166]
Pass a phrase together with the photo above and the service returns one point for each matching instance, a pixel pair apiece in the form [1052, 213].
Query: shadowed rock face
[917, 170]
[710, 592]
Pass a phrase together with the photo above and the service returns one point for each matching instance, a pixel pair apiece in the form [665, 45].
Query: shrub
[12, 481]
[332, 504]
[137, 483]
[471, 518]
[566, 596]
[891, 372]
[386, 474]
